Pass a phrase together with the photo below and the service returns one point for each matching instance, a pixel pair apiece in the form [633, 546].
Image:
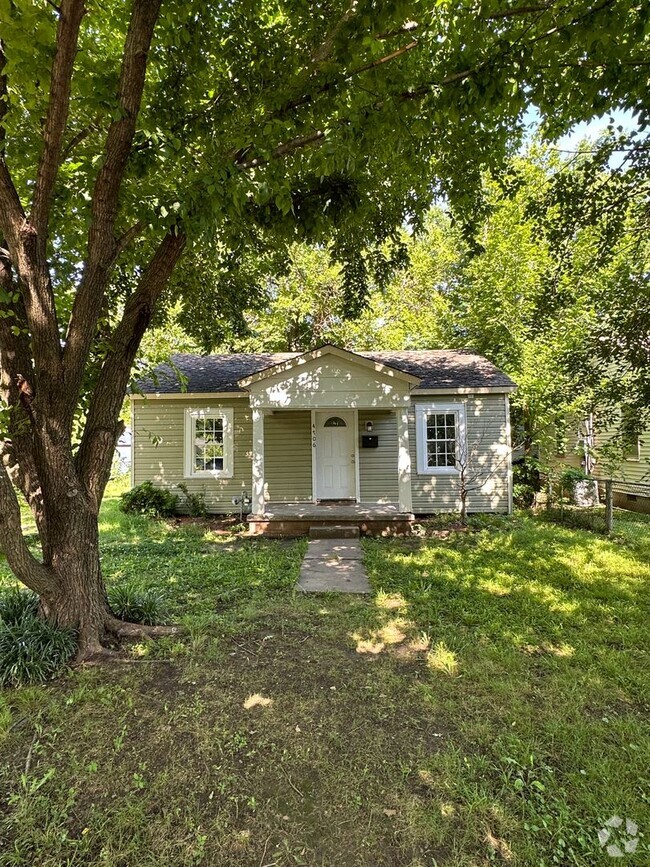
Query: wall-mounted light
[369, 426]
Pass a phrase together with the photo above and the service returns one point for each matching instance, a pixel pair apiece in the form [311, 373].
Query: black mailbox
[369, 441]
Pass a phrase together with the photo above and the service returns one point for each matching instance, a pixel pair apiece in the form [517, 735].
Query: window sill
[439, 471]
[209, 474]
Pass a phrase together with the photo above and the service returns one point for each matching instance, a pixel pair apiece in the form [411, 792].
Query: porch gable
[329, 378]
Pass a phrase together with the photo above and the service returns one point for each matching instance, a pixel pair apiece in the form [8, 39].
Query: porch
[297, 519]
[330, 444]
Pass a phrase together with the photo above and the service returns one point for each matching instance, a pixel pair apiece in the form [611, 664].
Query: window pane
[441, 436]
[208, 444]
[335, 421]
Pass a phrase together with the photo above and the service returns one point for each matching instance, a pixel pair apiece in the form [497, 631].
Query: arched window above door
[335, 421]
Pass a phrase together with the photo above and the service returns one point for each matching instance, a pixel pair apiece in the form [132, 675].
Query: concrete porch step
[335, 531]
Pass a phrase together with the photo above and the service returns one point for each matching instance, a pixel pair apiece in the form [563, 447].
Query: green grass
[489, 704]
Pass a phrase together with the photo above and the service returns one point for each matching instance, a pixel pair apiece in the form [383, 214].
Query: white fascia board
[189, 395]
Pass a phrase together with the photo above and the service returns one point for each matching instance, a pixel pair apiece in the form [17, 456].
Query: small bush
[523, 495]
[31, 650]
[195, 502]
[17, 604]
[137, 604]
[145, 499]
[570, 477]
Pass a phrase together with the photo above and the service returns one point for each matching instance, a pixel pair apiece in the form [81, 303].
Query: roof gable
[298, 361]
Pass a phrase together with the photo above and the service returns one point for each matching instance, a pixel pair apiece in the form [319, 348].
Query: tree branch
[32, 268]
[518, 10]
[103, 248]
[388, 57]
[4, 97]
[67, 36]
[324, 50]
[15, 359]
[103, 428]
[11, 211]
[21, 561]
[126, 237]
[285, 148]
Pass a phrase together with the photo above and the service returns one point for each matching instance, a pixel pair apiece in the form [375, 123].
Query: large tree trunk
[79, 601]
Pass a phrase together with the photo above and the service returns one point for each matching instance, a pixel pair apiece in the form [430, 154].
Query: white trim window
[209, 443]
[440, 437]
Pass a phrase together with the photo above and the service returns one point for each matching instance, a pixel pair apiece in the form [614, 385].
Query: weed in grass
[441, 658]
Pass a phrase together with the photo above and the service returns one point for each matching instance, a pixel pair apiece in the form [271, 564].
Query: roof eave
[467, 389]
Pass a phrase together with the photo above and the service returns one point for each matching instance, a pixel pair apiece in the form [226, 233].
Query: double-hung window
[209, 443]
[440, 435]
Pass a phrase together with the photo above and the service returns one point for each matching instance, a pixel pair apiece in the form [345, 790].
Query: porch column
[257, 505]
[403, 461]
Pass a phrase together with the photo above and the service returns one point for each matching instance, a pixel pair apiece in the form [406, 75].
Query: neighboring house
[380, 433]
[621, 452]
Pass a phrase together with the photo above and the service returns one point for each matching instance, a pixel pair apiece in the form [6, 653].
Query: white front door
[335, 455]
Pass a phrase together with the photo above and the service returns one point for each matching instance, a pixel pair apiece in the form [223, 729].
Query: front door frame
[314, 449]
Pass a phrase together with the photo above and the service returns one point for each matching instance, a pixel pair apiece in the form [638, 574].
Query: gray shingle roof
[437, 368]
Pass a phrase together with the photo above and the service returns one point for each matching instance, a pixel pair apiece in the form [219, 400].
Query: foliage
[195, 501]
[223, 147]
[146, 499]
[137, 604]
[570, 476]
[31, 649]
[531, 293]
[523, 495]
[17, 604]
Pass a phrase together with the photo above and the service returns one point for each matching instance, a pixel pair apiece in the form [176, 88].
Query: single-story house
[383, 436]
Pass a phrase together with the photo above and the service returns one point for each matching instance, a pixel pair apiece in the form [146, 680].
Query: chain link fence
[612, 507]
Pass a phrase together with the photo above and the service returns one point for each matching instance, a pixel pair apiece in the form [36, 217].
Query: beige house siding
[159, 449]
[159, 454]
[635, 468]
[287, 457]
[378, 467]
[487, 441]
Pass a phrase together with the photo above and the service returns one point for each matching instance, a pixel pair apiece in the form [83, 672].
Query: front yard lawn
[488, 705]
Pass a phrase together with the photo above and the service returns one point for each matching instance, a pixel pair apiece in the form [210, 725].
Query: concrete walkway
[333, 566]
